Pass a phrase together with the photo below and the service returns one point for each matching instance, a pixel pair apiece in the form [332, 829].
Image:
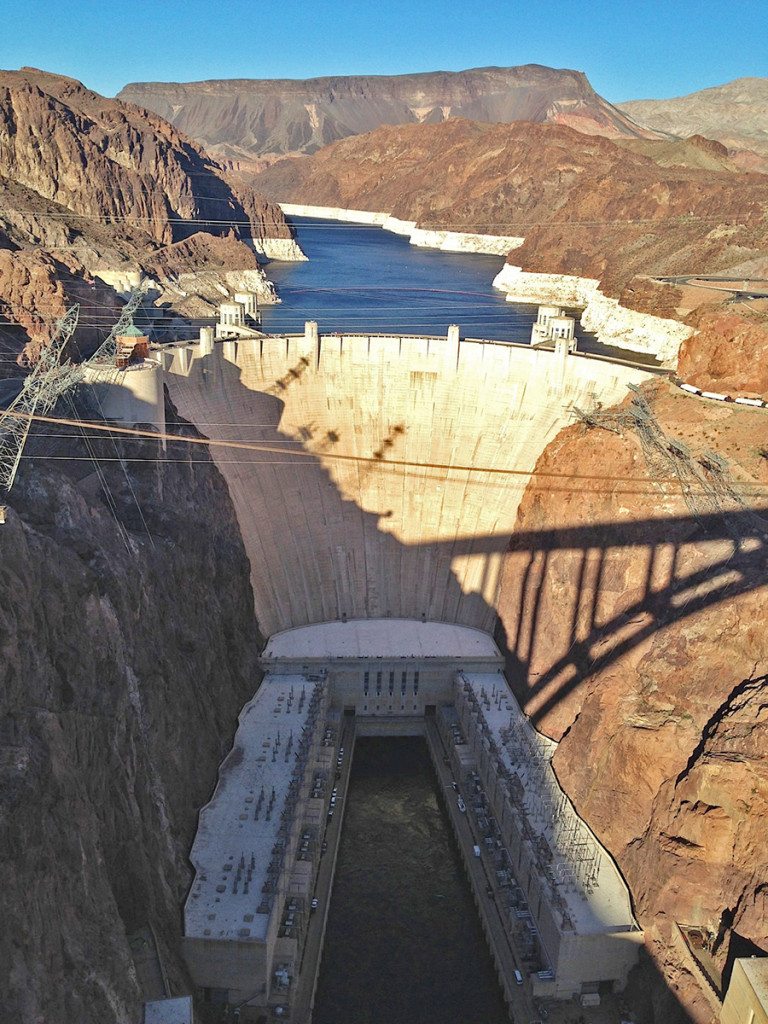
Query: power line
[383, 462]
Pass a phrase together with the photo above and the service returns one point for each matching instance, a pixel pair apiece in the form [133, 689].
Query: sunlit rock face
[633, 621]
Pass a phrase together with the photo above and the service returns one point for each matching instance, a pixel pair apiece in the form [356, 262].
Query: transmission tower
[108, 348]
[39, 392]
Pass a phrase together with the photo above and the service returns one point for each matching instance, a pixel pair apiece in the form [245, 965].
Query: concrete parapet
[206, 340]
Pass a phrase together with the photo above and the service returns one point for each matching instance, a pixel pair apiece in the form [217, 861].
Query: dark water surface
[404, 944]
[361, 278]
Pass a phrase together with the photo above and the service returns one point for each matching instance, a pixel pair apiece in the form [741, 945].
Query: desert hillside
[585, 205]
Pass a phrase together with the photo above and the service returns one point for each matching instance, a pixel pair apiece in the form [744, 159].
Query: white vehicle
[462, 806]
[518, 978]
[476, 850]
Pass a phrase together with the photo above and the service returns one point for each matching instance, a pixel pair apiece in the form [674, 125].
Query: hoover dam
[389, 469]
[376, 480]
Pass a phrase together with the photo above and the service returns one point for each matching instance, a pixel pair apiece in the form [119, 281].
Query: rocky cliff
[241, 118]
[585, 206]
[129, 647]
[631, 604]
[90, 187]
[735, 114]
[110, 161]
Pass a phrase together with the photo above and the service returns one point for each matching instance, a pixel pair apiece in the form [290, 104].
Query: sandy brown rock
[736, 113]
[729, 352]
[639, 645]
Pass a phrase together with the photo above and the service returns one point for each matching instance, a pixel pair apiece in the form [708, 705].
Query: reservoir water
[403, 943]
[361, 278]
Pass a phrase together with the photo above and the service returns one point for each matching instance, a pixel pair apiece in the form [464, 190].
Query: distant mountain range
[246, 118]
[735, 114]
[252, 119]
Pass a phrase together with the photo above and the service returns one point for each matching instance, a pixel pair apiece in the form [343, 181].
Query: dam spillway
[411, 530]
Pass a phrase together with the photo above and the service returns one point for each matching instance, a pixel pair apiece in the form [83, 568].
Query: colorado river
[404, 943]
[365, 278]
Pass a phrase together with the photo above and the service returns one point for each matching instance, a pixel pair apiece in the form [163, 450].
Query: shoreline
[425, 238]
[605, 317]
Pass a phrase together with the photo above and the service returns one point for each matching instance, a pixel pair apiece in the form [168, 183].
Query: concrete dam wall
[330, 537]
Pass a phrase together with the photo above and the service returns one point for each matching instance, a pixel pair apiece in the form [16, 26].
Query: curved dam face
[337, 524]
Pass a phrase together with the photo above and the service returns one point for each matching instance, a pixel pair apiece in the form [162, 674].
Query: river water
[404, 943]
[361, 278]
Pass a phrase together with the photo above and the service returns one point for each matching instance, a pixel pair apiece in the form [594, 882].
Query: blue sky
[629, 50]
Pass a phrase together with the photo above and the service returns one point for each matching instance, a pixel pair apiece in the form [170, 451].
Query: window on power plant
[391, 683]
[403, 681]
[378, 684]
[366, 682]
[415, 683]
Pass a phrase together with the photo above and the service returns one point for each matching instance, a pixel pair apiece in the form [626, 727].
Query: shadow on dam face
[329, 540]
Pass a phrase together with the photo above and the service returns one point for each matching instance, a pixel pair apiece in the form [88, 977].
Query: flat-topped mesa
[244, 118]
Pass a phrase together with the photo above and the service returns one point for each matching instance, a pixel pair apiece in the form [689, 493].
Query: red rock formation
[729, 352]
[585, 205]
[105, 159]
[109, 187]
[637, 642]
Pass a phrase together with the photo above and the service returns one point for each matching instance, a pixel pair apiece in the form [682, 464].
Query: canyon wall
[95, 192]
[630, 605]
[129, 647]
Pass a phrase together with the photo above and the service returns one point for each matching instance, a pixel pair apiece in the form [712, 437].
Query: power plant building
[260, 839]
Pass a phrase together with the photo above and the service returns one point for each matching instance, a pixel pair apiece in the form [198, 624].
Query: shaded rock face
[729, 353]
[88, 185]
[735, 114]
[37, 290]
[129, 647]
[242, 118]
[634, 624]
[585, 206]
[102, 158]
